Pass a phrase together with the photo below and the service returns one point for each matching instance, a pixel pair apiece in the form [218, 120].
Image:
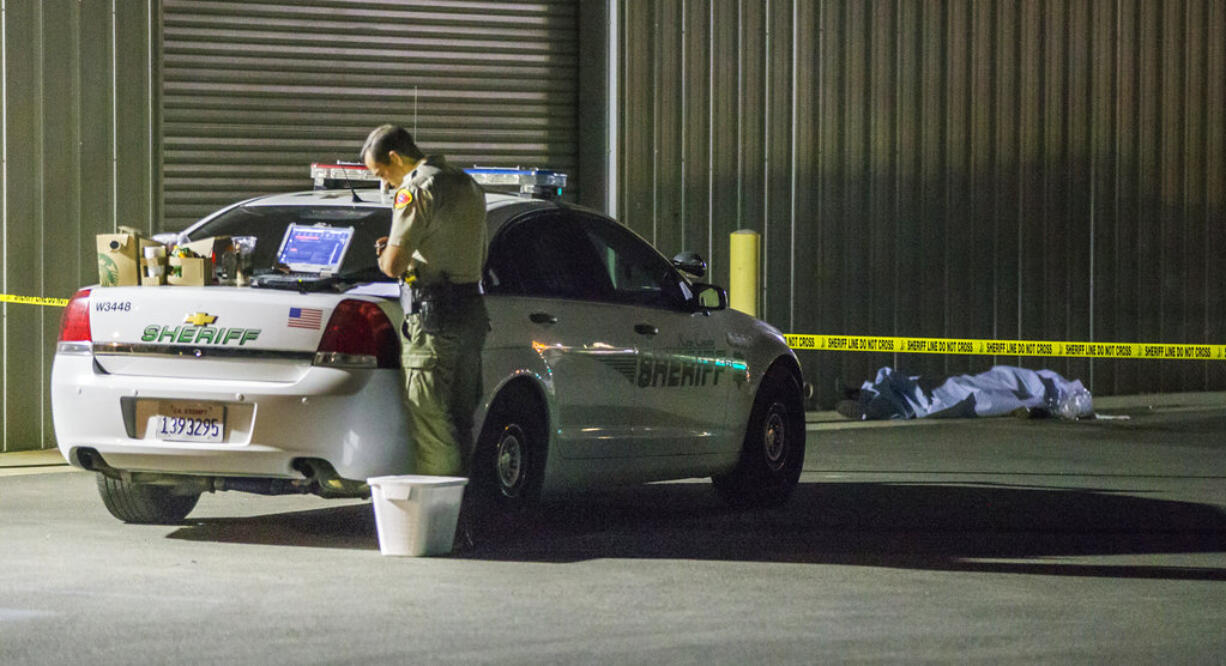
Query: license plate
[190, 422]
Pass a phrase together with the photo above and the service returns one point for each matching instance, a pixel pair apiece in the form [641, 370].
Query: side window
[636, 272]
[544, 255]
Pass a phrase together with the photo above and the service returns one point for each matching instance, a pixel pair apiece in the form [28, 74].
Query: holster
[437, 304]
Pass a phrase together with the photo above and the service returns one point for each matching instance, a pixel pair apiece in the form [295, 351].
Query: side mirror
[710, 297]
[690, 263]
[168, 238]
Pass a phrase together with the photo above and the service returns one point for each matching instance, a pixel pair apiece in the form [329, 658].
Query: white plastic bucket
[416, 515]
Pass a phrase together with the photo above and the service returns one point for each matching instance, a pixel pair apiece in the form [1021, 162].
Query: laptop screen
[309, 249]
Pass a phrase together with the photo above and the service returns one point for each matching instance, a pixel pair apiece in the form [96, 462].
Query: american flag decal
[305, 318]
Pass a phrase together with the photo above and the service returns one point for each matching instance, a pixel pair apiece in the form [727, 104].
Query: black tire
[509, 461]
[144, 503]
[774, 448]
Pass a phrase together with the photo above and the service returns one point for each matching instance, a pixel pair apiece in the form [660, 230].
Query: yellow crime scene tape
[890, 345]
[33, 300]
[863, 343]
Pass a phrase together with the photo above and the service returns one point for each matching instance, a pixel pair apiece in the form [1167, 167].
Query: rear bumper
[353, 419]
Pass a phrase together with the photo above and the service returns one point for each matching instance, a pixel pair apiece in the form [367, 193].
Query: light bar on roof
[531, 182]
[327, 175]
[521, 177]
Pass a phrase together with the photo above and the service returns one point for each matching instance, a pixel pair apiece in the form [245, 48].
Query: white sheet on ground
[997, 392]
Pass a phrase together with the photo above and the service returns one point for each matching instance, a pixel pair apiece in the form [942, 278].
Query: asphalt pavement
[990, 540]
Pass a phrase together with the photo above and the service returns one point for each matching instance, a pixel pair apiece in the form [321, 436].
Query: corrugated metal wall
[77, 162]
[1039, 170]
[256, 91]
[1021, 170]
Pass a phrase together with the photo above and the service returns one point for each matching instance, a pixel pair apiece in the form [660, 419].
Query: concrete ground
[992, 540]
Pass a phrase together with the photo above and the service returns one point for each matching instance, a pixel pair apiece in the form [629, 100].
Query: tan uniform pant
[442, 374]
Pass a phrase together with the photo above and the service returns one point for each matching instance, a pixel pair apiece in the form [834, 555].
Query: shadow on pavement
[351, 526]
[901, 525]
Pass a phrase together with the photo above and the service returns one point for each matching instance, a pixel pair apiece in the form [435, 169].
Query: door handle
[645, 329]
[542, 318]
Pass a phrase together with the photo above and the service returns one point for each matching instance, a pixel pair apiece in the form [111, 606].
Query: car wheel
[774, 447]
[509, 461]
[144, 503]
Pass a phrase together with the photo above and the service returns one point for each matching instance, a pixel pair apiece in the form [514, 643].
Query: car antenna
[354, 190]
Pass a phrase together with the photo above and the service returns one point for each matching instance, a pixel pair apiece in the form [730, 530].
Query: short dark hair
[386, 138]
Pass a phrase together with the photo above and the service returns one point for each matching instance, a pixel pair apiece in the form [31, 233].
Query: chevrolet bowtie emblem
[200, 319]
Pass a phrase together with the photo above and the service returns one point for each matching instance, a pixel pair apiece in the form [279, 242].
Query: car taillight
[74, 323]
[359, 335]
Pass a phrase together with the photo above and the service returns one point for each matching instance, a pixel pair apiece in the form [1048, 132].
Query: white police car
[605, 365]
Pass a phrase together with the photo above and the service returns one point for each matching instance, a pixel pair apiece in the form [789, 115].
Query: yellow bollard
[743, 262]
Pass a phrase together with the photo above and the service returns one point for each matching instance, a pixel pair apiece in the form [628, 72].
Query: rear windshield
[267, 224]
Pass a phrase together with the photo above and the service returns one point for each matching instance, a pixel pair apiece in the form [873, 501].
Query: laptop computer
[310, 252]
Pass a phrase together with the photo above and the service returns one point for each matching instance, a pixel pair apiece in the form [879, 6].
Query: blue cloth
[997, 392]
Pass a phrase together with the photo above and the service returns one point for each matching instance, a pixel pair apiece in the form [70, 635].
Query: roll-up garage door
[253, 92]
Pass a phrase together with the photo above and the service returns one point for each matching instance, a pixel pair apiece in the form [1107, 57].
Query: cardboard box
[189, 272]
[153, 272]
[119, 259]
[211, 248]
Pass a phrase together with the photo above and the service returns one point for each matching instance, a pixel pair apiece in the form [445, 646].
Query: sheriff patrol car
[606, 364]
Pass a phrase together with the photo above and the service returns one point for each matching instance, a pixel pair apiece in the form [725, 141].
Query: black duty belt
[445, 291]
[412, 296]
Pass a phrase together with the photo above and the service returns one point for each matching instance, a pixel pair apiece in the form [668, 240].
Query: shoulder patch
[403, 198]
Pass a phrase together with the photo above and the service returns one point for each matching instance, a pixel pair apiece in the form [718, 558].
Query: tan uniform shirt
[438, 217]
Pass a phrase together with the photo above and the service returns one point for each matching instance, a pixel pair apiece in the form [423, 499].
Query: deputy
[436, 247]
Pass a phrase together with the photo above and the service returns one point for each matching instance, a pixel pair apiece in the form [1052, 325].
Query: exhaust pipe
[327, 483]
[319, 478]
[86, 459]
[261, 486]
[91, 461]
